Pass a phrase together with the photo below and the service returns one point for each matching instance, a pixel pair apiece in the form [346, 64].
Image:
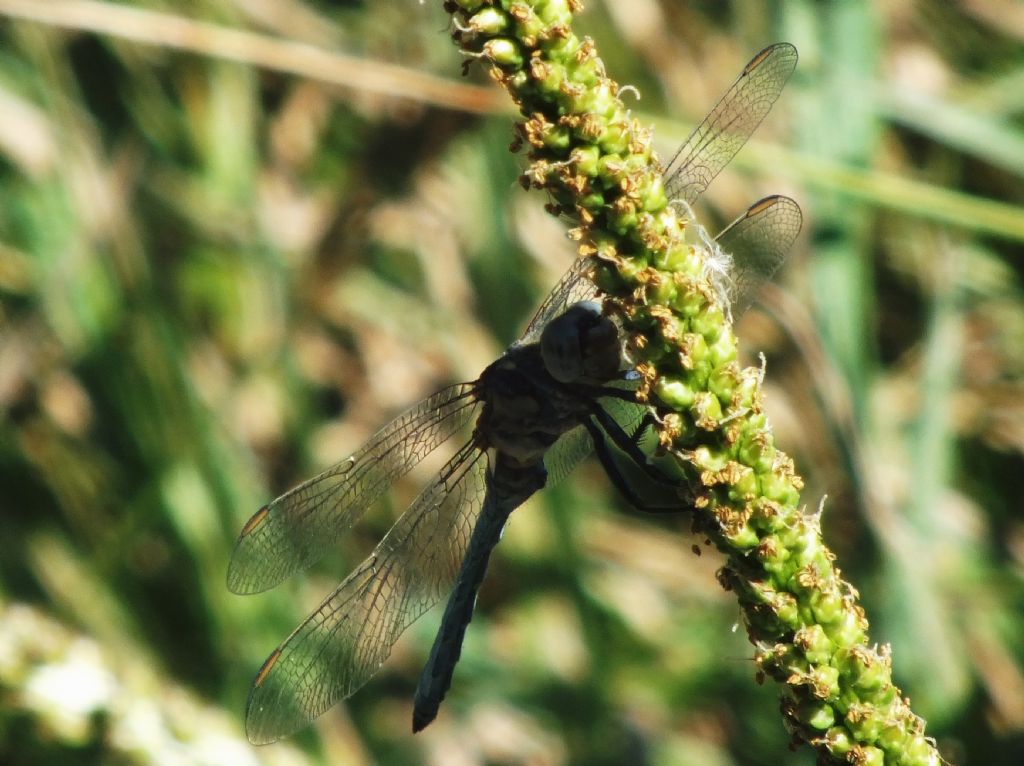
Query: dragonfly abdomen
[508, 487]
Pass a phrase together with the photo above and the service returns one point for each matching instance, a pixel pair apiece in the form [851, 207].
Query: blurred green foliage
[217, 279]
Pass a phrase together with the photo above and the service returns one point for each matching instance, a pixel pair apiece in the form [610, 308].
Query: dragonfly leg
[623, 484]
[596, 392]
[630, 445]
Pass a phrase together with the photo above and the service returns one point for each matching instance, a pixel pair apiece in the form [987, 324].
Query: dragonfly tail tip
[421, 720]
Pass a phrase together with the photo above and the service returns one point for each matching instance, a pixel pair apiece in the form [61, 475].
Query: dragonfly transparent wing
[573, 447]
[574, 286]
[758, 242]
[566, 453]
[345, 641]
[295, 530]
[728, 126]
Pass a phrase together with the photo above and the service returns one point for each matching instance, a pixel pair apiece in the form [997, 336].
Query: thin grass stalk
[597, 166]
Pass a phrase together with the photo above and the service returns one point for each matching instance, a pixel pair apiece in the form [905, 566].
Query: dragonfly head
[581, 344]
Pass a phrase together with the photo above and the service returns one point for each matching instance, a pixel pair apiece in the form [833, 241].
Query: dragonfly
[535, 413]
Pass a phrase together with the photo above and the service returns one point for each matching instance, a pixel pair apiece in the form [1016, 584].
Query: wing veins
[575, 285]
[297, 527]
[758, 242]
[460, 461]
[368, 459]
[306, 679]
[726, 128]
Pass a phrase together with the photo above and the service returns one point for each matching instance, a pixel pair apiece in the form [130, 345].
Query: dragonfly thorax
[526, 408]
[581, 345]
[532, 394]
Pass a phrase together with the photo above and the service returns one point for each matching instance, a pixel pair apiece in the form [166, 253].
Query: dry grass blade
[171, 31]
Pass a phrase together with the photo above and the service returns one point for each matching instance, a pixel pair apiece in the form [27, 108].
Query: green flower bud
[780, 662]
[885, 696]
[787, 609]
[528, 24]
[756, 451]
[864, 722]
[768, 516]
[469, 5]
[700, 373]
[629, 270]
[653, 196]
[892, 739]
[722, 348]
[693, 266]
[804, 543]
[827, 606]
[589, 78]
[816, 715]
[861, 755]
[593, 201]
[607, 278]
[744, 537]
[635, 166]
[825, 683]
[547, 76]
[519, 83]
[553, 12]
[561, 49]
[503, 52]
[689, 302]
[599, 100]
[622, 220]
[779, 489]
[757, 421]
[862, 669]
[662, 293]
[917, 750]
[774, 557]
[849, 631]
[746, 393]
[557, 138]
[695, 350]
[614, 139]
[611, 171]
[707, 459]
[668, 261]
[586, 160]
[674, 393]
[837, 740]
[489, 21]
[706, 410]
[722, 383]
[709, 323]
[744, 488]
[815, 644]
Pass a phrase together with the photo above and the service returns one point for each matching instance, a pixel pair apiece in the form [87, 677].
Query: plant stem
[597, 166]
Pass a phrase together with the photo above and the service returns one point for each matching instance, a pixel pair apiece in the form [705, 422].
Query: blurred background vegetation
[228, 255]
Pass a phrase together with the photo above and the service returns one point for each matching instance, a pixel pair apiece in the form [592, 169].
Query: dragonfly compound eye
[580, 344]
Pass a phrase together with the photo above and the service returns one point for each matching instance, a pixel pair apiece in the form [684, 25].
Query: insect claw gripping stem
[618, 478]
[595, 163]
